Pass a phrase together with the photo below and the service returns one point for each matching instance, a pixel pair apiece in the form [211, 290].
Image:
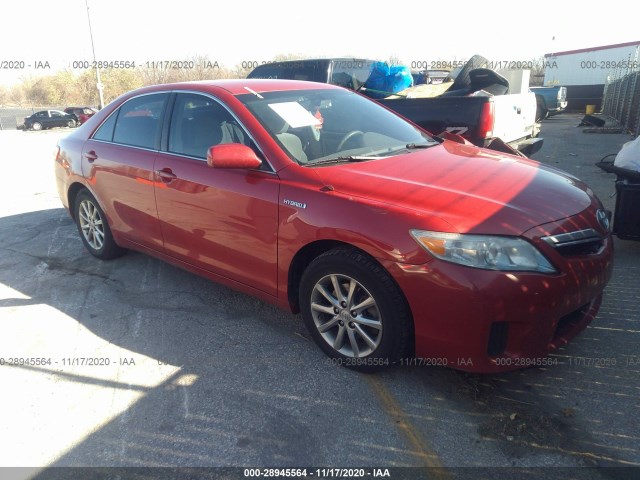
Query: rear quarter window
[105, 132]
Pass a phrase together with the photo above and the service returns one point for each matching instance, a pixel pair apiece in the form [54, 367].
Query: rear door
[57, 119]
[222, 220]
[118, 164]
[48, 121]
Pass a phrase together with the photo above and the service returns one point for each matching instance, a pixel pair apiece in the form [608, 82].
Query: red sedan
[396, 247]
[82, 114]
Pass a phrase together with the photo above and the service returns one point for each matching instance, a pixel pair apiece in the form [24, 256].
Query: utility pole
[98, 82]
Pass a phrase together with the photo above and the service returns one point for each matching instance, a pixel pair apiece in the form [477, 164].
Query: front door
[222, 220]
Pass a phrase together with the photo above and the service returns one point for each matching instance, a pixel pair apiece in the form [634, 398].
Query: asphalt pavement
[135, 363]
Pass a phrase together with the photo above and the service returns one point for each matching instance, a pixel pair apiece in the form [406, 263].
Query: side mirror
[232, 155]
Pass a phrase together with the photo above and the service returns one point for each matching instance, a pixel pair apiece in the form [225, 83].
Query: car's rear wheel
[354, 310]
[94, 228]
[71, 123]
[36, 126]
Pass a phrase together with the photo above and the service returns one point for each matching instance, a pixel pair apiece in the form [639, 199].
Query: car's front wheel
[36, 126]
[94, 228]
[354, 310]
[71, 123]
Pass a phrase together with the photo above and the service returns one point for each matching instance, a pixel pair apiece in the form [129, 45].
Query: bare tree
[537, 72]
[394, 60]
[5, 94]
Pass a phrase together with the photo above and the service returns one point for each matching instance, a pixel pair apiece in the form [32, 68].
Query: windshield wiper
[413, 146]
[342, 159]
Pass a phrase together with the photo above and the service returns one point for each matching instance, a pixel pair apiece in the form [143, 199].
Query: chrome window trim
[167, 152]
[125, 145]
[204, 160]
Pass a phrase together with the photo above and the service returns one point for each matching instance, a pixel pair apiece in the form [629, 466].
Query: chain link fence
[622, 101]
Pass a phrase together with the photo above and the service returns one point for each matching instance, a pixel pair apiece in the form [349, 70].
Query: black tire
[71, 123]
[463, 80]
[541, 114]
[93, 227]
[386, 321]
[36, 126]
[541, 108]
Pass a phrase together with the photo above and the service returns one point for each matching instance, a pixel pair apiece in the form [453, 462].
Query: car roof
[238, 86]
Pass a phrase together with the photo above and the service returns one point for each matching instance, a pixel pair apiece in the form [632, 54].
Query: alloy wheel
[346, 315]
[91, 224]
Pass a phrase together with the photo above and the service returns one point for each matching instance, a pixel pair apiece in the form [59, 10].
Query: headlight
[483, 251]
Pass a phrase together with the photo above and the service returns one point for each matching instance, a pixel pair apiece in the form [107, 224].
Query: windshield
[314, 126]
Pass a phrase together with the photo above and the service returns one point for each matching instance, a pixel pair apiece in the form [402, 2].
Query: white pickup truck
[481, 105]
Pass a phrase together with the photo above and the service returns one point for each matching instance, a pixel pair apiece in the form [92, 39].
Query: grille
[581, 242]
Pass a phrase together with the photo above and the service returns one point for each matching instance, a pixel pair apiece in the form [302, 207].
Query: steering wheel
[348, 137]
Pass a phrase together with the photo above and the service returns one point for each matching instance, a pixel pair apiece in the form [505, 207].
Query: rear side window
[139, 121]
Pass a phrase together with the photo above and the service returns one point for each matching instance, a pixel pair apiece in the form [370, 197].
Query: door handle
[91, 156]
[166, 174]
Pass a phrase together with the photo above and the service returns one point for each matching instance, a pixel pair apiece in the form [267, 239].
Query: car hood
[474, 190]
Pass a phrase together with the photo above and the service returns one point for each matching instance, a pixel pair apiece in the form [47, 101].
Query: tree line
[72, 87]
[69, 87]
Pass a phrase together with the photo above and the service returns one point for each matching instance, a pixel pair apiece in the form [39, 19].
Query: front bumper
[487, 321]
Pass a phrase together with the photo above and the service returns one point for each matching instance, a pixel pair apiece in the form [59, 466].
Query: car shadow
[249, 387]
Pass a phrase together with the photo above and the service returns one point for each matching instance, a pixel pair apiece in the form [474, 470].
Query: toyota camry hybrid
[393, 244]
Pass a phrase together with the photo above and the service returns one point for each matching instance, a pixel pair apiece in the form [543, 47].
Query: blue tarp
[386, 80]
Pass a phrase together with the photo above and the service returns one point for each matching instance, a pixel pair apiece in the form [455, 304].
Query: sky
[56, 32]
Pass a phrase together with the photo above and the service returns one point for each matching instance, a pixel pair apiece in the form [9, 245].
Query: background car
[82, 114]
[49, 119]
[550, 100]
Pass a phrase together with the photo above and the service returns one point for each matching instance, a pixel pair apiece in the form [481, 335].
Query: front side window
[139, 121]
[316, 126]
[199, 122]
